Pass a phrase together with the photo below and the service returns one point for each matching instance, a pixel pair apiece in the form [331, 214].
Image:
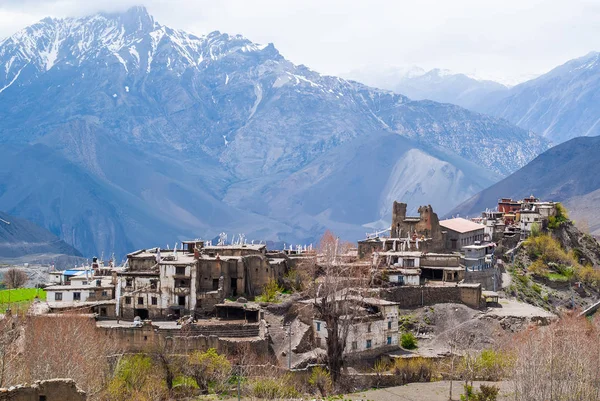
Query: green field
[21, 295]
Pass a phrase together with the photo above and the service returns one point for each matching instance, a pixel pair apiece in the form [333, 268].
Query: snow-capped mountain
[560, 105]
[119, 132]
[438, 84]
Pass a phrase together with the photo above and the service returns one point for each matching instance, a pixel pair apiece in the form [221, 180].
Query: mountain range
[437, 84]
[119, 132]
[569, 173]
[19, 237]
[559, 105]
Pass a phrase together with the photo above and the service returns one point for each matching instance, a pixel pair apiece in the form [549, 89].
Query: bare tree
[67, 345]
[559, 362]
[11, 331]
[336, 288]
[14, 278]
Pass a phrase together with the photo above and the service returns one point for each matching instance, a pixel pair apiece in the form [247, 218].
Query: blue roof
[75, 272]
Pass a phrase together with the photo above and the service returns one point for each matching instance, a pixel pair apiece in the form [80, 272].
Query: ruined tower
[398, 217]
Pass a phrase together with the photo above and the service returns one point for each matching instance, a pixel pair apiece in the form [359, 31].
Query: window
[129, 282]
[181, 301]
[140, 300]
[154, 301]
[318, 341]
[102, 311]
[58, 296]
[104, 293]
[180, 270]
[215, 285]
[368, 344]
[369, 328]
[43, 398]
[318, 326]
[389, 340]
[84, 283]
[354, 345]
[390, 325]
[152, 284]
[128, 300]
[76, 296]
[409, 263]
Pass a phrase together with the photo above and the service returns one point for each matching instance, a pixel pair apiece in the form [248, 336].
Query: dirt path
[435, 391]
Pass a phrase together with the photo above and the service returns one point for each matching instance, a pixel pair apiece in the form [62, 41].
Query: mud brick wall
[410, 297]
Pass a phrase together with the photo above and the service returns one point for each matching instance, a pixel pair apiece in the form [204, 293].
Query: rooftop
[406, 272]
[480, 246]
[78, 287]
[256, 247]
[461, 225]
[413, 254]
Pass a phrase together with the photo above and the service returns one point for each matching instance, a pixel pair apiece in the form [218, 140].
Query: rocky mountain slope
[569, 172]
[19, 237]
[437, 85]
[559, 105]
[120, 132]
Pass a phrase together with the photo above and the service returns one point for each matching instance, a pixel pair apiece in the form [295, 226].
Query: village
[423, 290]
[214, 290]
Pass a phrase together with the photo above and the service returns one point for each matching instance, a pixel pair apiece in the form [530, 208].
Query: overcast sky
[507, 40]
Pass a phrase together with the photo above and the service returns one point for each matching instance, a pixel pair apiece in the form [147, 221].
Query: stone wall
[149, 336]
[485, 278]
[410, 297]
[46, 390]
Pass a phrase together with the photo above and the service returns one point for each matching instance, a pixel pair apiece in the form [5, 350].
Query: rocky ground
[439, 326]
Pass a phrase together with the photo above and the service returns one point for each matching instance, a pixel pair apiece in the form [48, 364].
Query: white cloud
[512, 39]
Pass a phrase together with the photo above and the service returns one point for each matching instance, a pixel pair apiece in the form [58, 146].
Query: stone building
[407, 233]
[374, 326]
[44, 390]
[161, 284]
[461, 232]
[401, 266]
[479, 257]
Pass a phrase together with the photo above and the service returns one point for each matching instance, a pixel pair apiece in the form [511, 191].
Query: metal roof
[461, 225]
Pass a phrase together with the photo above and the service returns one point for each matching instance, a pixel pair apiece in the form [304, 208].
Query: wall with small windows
[377, 331]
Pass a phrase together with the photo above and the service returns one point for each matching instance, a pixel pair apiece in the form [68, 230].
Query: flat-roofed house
[461, 232]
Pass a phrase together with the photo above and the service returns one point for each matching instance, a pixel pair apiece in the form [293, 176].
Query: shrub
[492, 365]
[270, 292]
[321, 380]
[208, 368]
[485, 393]
[535, 230]
[271, 388]
[561, 217]
[408, 341]
[413, 369]
[136, 378]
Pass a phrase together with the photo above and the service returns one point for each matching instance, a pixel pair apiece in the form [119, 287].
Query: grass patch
[185, 381]
[557, 277]
[21, 294]
[20, 298]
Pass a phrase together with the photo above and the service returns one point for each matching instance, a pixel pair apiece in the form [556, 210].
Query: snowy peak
[134, 20]
[132, 38]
